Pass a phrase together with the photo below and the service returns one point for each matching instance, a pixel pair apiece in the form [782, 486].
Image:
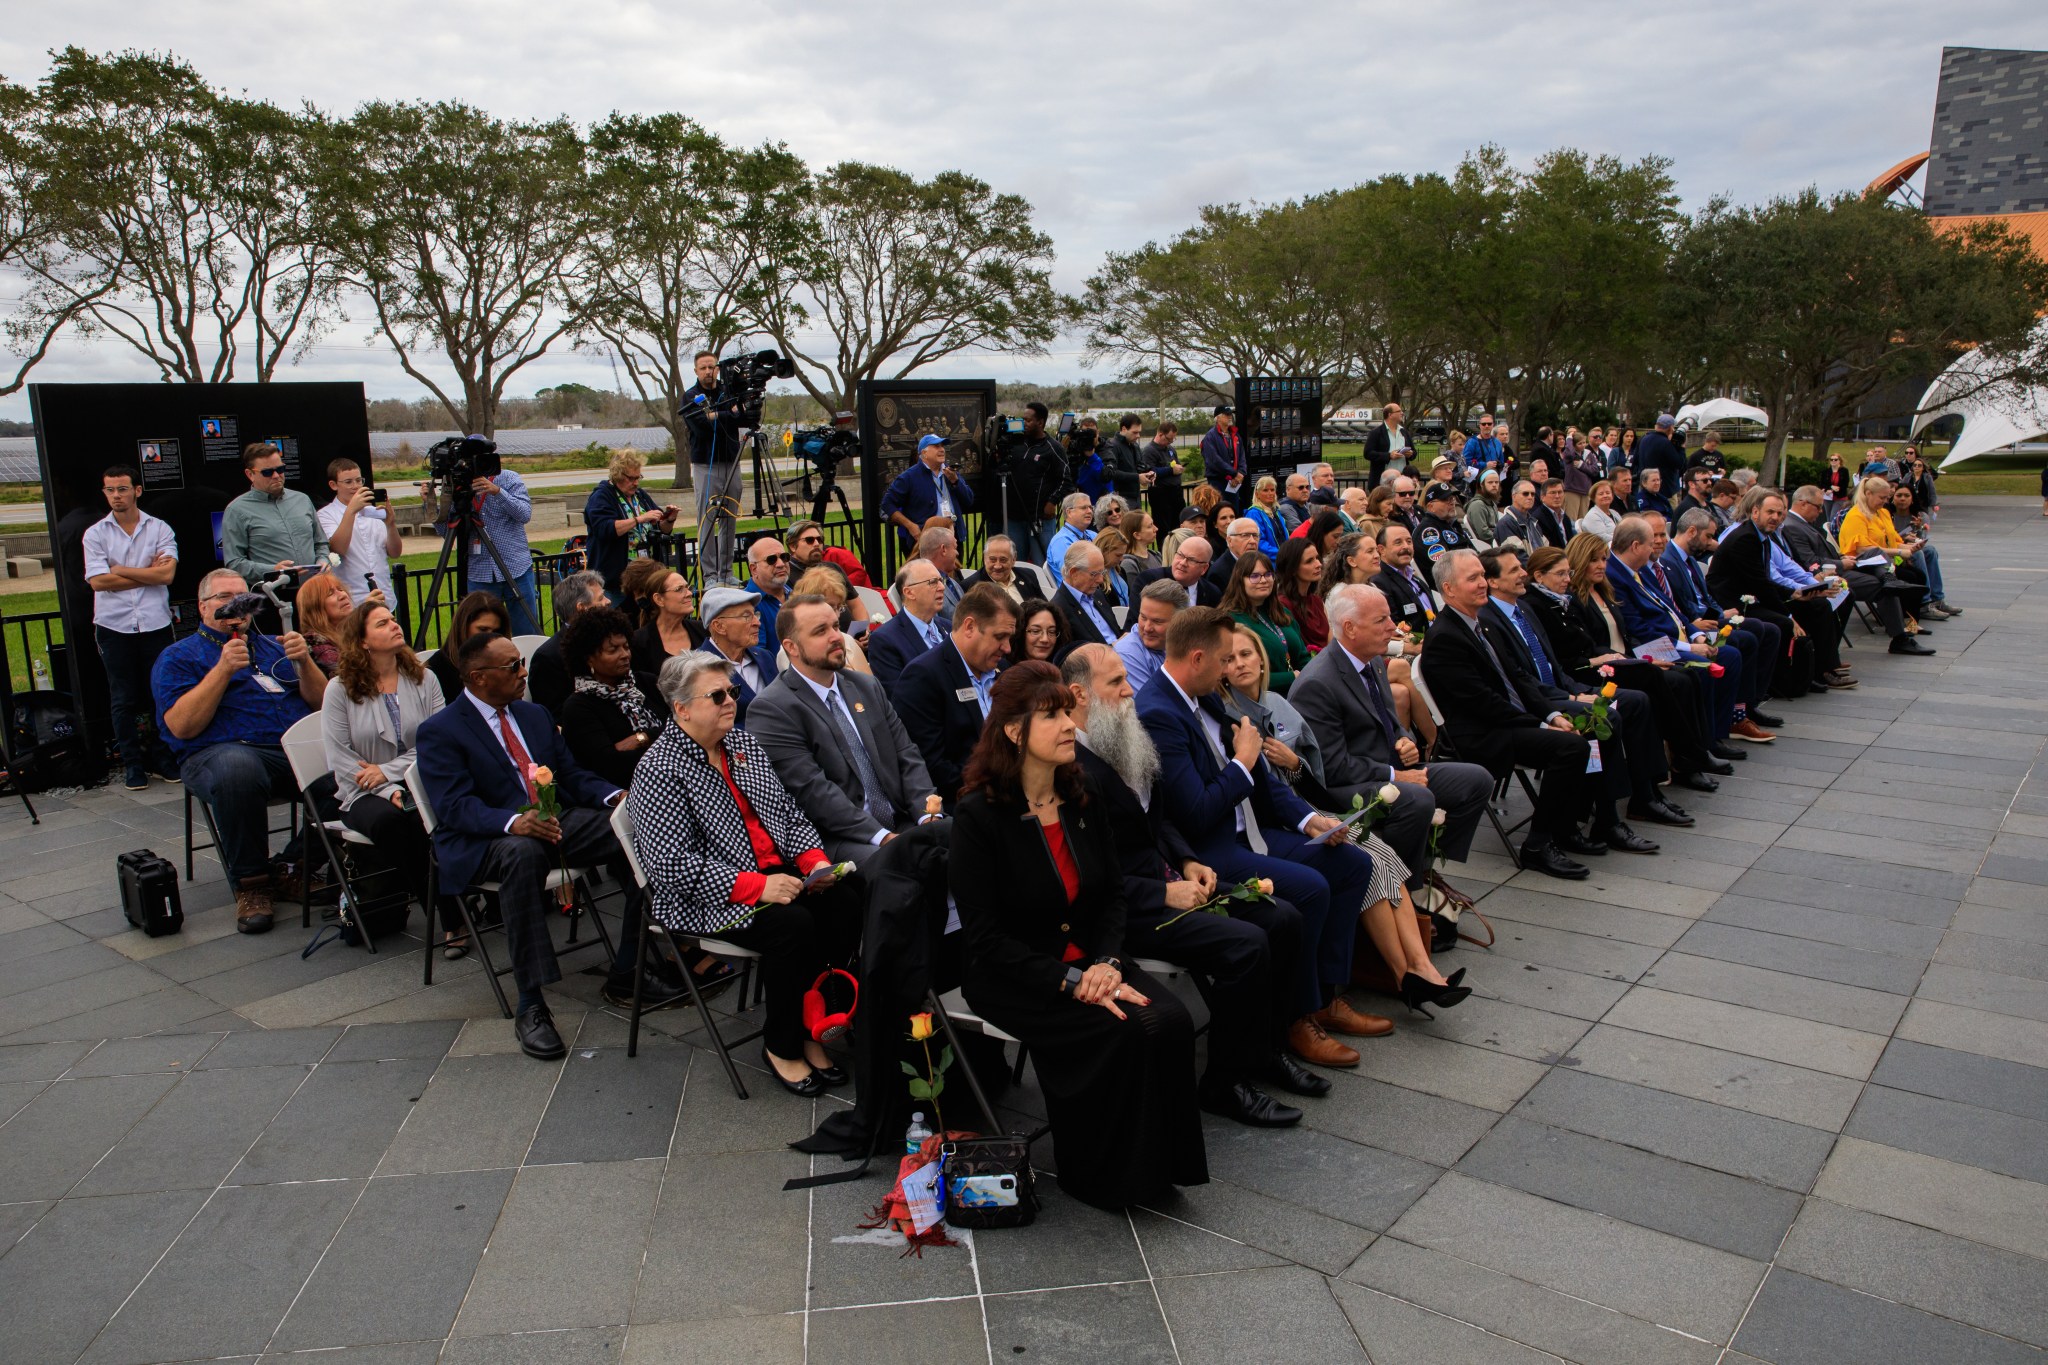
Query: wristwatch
[1071, 980]
[1107, 961]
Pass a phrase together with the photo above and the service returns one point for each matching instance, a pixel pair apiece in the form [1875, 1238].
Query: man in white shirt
[361, 531]
[130, 558]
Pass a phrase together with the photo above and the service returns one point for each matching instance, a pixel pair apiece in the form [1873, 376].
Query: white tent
[1720, 410]
[1994, 414]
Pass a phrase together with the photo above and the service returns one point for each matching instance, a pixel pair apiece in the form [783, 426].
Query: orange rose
[920, 1027]
[542, 775]
[1609, 690]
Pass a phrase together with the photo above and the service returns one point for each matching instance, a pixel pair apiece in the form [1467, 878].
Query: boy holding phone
[359, 528]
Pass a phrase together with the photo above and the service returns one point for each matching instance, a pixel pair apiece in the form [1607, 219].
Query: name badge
[268, 683]
[966, 694]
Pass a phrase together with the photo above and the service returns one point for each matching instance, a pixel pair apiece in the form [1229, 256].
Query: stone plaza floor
[1778, 1094]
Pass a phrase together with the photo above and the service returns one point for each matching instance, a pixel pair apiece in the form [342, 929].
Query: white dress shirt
[129, 611]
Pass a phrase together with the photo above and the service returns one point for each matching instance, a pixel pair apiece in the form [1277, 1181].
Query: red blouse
[1063, 859]
[747, 887]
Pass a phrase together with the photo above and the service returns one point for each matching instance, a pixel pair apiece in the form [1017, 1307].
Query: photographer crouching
[224, 697]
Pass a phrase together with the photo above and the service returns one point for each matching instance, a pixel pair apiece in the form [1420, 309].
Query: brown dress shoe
[1306, 1040]
[1341, 1018]
[1751, 731]
[252, 911]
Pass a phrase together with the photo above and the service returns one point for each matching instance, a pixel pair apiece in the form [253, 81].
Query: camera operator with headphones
[714, 420]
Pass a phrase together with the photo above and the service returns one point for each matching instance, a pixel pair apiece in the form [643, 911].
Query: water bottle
[915, 1134]
[41, 670]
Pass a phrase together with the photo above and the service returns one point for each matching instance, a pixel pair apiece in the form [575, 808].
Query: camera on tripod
[1003, 440]
[743, 379]
[460, 460]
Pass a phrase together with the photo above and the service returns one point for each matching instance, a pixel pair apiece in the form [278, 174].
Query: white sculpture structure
[1720, 410]
[1994, 414]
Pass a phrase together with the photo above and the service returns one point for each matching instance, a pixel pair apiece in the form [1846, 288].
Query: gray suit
[1358, 759]
[811, 757]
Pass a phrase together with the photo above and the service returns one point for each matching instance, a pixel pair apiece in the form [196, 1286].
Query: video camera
[743, 379]
[1003, 439]
[825, 447]
[458, 461]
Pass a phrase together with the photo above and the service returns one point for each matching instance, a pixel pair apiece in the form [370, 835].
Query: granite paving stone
[1283, 1314]
[1774, 992]
[1983, 1206]
[1988, 1138]
[1828, 926]
[720, 1247]
[1994, 991]
[566, 1250]
[1317, 1171]
[950, 1330]
[338, 1123]
[1393, 1329]
[477, 1113]
[1081, 1326]
[1269, 1225]
[1972, 1030]
[1172, 1247]
[196, 1133]
[1639, 1187]
[611, 1107]
[60, 1284]
[1391, 1117]
[53, 1142]
[1803, 1321]
[1775, 1037]
[1804, 957]
[1999, 1291]
[1985, 1082]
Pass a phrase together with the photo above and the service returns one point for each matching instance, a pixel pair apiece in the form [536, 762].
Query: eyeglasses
[274, 469]
[773, 559]
[921, 583]
[1262, 574]
[516, 666]
[717, 696]
[219, 597]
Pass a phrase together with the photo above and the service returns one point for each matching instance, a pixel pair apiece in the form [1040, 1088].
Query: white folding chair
[468, 901]
[650, 927]
[880, 608]
[1046, 582]
[1120, 614]
[305, 749]
[528, 644]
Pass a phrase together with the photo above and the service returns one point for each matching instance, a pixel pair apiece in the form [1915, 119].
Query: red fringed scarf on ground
[894, 1210]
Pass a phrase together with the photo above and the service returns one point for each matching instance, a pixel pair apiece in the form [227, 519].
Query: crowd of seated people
[1107, 758]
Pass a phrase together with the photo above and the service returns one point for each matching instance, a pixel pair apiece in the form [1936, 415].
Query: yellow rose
[920, 1027]
[1609, 690]
[543, 776]
[1265, 886]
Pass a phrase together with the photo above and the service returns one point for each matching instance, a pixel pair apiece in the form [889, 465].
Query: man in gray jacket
[836, 743]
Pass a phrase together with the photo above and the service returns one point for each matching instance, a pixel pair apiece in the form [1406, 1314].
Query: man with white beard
[1237, 957]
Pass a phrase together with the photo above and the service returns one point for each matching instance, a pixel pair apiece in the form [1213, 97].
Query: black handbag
[989, 1182]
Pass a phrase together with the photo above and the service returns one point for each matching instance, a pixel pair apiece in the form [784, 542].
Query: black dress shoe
[1253, 1108]
[1283, 1072]
[810, 1087]
[1660, 812]
[1761, 718]
[1550, 862]
[831, 1075]
[655, 994]
[1710, 764]
[1906, 644]
[1699, 782]
[1727, 753]
[535, 1029]
[1622, 839]
[1571, 841]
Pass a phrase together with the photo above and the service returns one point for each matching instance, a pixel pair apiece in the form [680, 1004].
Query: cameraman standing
[1038, 473]
[1159, 460]
[503, 508]
[714, 426]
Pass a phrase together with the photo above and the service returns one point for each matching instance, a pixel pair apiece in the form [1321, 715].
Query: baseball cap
[1222, 408]
[929, 440]
[1439, 492]
[1665, 421]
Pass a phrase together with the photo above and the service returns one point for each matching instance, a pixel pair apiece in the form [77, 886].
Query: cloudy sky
[1117, 120]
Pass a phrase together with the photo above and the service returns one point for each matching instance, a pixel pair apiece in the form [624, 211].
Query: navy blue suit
[1757, 638]
[942, 726]
[763, 659]
[1199, 796]
[896, 642]
[475, 791]
[1646, 613]
[915, 493]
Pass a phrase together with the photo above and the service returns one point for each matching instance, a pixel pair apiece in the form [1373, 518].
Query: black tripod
[463, 521]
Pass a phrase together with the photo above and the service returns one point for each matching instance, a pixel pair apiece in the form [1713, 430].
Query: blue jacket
[896, 642]
[1645, 612]
[1201, 795]
[1222, 456]
[1482, 453]
[1689, 584]
[476, 791]
[915, 493]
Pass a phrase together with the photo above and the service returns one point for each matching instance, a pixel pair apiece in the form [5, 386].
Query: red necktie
[520, 760]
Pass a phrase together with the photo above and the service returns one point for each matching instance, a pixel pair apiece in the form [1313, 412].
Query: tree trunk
[679, 435]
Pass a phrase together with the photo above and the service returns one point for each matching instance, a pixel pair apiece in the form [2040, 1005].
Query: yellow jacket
[1861, 530]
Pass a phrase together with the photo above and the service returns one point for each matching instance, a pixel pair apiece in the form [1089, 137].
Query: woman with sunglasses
[621, 519]
[728, 854]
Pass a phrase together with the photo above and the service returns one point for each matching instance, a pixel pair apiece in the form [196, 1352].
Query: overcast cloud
[1116, 120]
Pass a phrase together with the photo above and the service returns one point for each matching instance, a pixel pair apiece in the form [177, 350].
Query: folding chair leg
[931, 1002]
[633, 1027]
[732, 1072]
[476, 945]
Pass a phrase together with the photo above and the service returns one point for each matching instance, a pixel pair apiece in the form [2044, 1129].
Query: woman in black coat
[610, 717]
[1034, 871]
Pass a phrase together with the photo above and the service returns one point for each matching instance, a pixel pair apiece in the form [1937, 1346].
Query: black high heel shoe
[810, 1087]
[1415, 993]
[1455, 977]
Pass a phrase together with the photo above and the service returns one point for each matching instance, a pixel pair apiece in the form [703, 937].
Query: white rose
[1438, 817]
[1390, 793]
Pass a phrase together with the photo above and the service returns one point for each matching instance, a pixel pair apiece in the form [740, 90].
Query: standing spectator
[929, 488]
[503, 509]
[1384, 442]
[224, 701]
[130, 559]
[714, 429]
[1483, 452]
[1582, 469]
[1158, 460]
[270, 528]
[620, 517]
[360, 531]
[1657, 451]
[1223, 457]
[1038, 470]
[1122, 461]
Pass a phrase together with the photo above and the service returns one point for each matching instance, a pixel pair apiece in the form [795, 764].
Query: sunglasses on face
[273, 470]
[718, 696]
[516, 666]
[773, 559]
